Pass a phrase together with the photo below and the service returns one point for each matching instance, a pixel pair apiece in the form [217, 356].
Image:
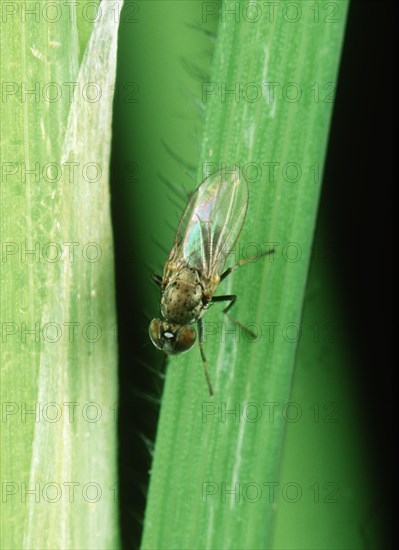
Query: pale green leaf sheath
[59, 355]
[268, 109]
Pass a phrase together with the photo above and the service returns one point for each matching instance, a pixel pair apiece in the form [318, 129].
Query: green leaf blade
[59, 354]
[199, 459]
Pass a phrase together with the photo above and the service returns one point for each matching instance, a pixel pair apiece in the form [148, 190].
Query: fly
[206, 234]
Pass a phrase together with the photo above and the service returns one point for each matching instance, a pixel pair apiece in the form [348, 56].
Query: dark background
[357, 212]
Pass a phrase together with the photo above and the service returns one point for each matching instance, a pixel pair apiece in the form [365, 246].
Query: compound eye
[185, 338]
[155, 333]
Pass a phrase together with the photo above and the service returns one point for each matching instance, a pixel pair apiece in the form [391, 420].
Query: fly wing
[211, 222]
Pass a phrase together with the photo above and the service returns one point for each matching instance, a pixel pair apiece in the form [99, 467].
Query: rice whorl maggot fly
[207, 232]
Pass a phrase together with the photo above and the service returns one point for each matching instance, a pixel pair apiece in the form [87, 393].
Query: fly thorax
[182, 298]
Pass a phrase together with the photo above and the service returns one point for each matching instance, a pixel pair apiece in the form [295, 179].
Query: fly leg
[243, 262]
[228, 298]
[204, 361]
[156, 278]
[232, 299]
